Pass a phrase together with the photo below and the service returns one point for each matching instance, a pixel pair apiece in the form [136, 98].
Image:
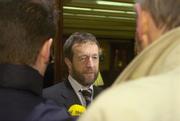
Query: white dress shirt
[77, 87]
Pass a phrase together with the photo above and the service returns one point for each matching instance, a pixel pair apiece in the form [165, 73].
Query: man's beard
[81, 78]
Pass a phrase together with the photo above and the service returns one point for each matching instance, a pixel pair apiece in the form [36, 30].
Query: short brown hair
[77, 37]
[24, 27]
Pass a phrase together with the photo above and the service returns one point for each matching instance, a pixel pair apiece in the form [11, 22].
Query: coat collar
[21, 77]
[159, 57]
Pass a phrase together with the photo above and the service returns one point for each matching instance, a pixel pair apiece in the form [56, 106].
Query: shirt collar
[77, 86]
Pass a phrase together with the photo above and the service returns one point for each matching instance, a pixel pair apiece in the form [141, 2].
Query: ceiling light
[77, 8]
[114, 3]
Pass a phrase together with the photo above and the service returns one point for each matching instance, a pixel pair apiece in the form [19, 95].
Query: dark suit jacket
[64, 95]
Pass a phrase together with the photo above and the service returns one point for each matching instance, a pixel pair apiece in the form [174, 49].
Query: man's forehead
[85, 49]
[80, 46]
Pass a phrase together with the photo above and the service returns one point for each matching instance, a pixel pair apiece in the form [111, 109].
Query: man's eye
[82, 58]
[95, 57]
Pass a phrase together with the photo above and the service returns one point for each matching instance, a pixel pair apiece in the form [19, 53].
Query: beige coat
[153, 90]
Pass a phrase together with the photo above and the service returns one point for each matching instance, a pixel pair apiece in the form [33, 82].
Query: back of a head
[77, 37]
[24, 27]
[165, 13]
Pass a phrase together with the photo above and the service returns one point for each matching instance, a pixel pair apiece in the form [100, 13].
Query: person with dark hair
[151, 83]
[26, 33]
[81, 55]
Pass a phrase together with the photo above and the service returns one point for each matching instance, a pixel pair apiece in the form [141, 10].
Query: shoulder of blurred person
[142, 97]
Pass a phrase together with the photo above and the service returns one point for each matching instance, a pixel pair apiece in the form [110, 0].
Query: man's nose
[90, 62]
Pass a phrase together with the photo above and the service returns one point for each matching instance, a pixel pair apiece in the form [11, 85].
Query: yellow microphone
[76, 110]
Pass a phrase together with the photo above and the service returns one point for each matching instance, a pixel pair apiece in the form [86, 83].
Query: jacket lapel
[70, 95]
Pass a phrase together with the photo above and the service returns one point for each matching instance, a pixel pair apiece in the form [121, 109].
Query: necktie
[87, 96]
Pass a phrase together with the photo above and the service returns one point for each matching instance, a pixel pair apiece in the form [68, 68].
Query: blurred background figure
[26, 34]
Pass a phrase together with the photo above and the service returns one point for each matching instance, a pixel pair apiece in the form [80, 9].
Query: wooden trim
[58, 43]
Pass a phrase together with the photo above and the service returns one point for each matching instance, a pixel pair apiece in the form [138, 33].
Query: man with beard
[151, 83]
[81, 55]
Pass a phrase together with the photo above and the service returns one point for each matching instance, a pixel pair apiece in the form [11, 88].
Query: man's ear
[43, 57]
[68, 63]
[142, 25]
[46, 50]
